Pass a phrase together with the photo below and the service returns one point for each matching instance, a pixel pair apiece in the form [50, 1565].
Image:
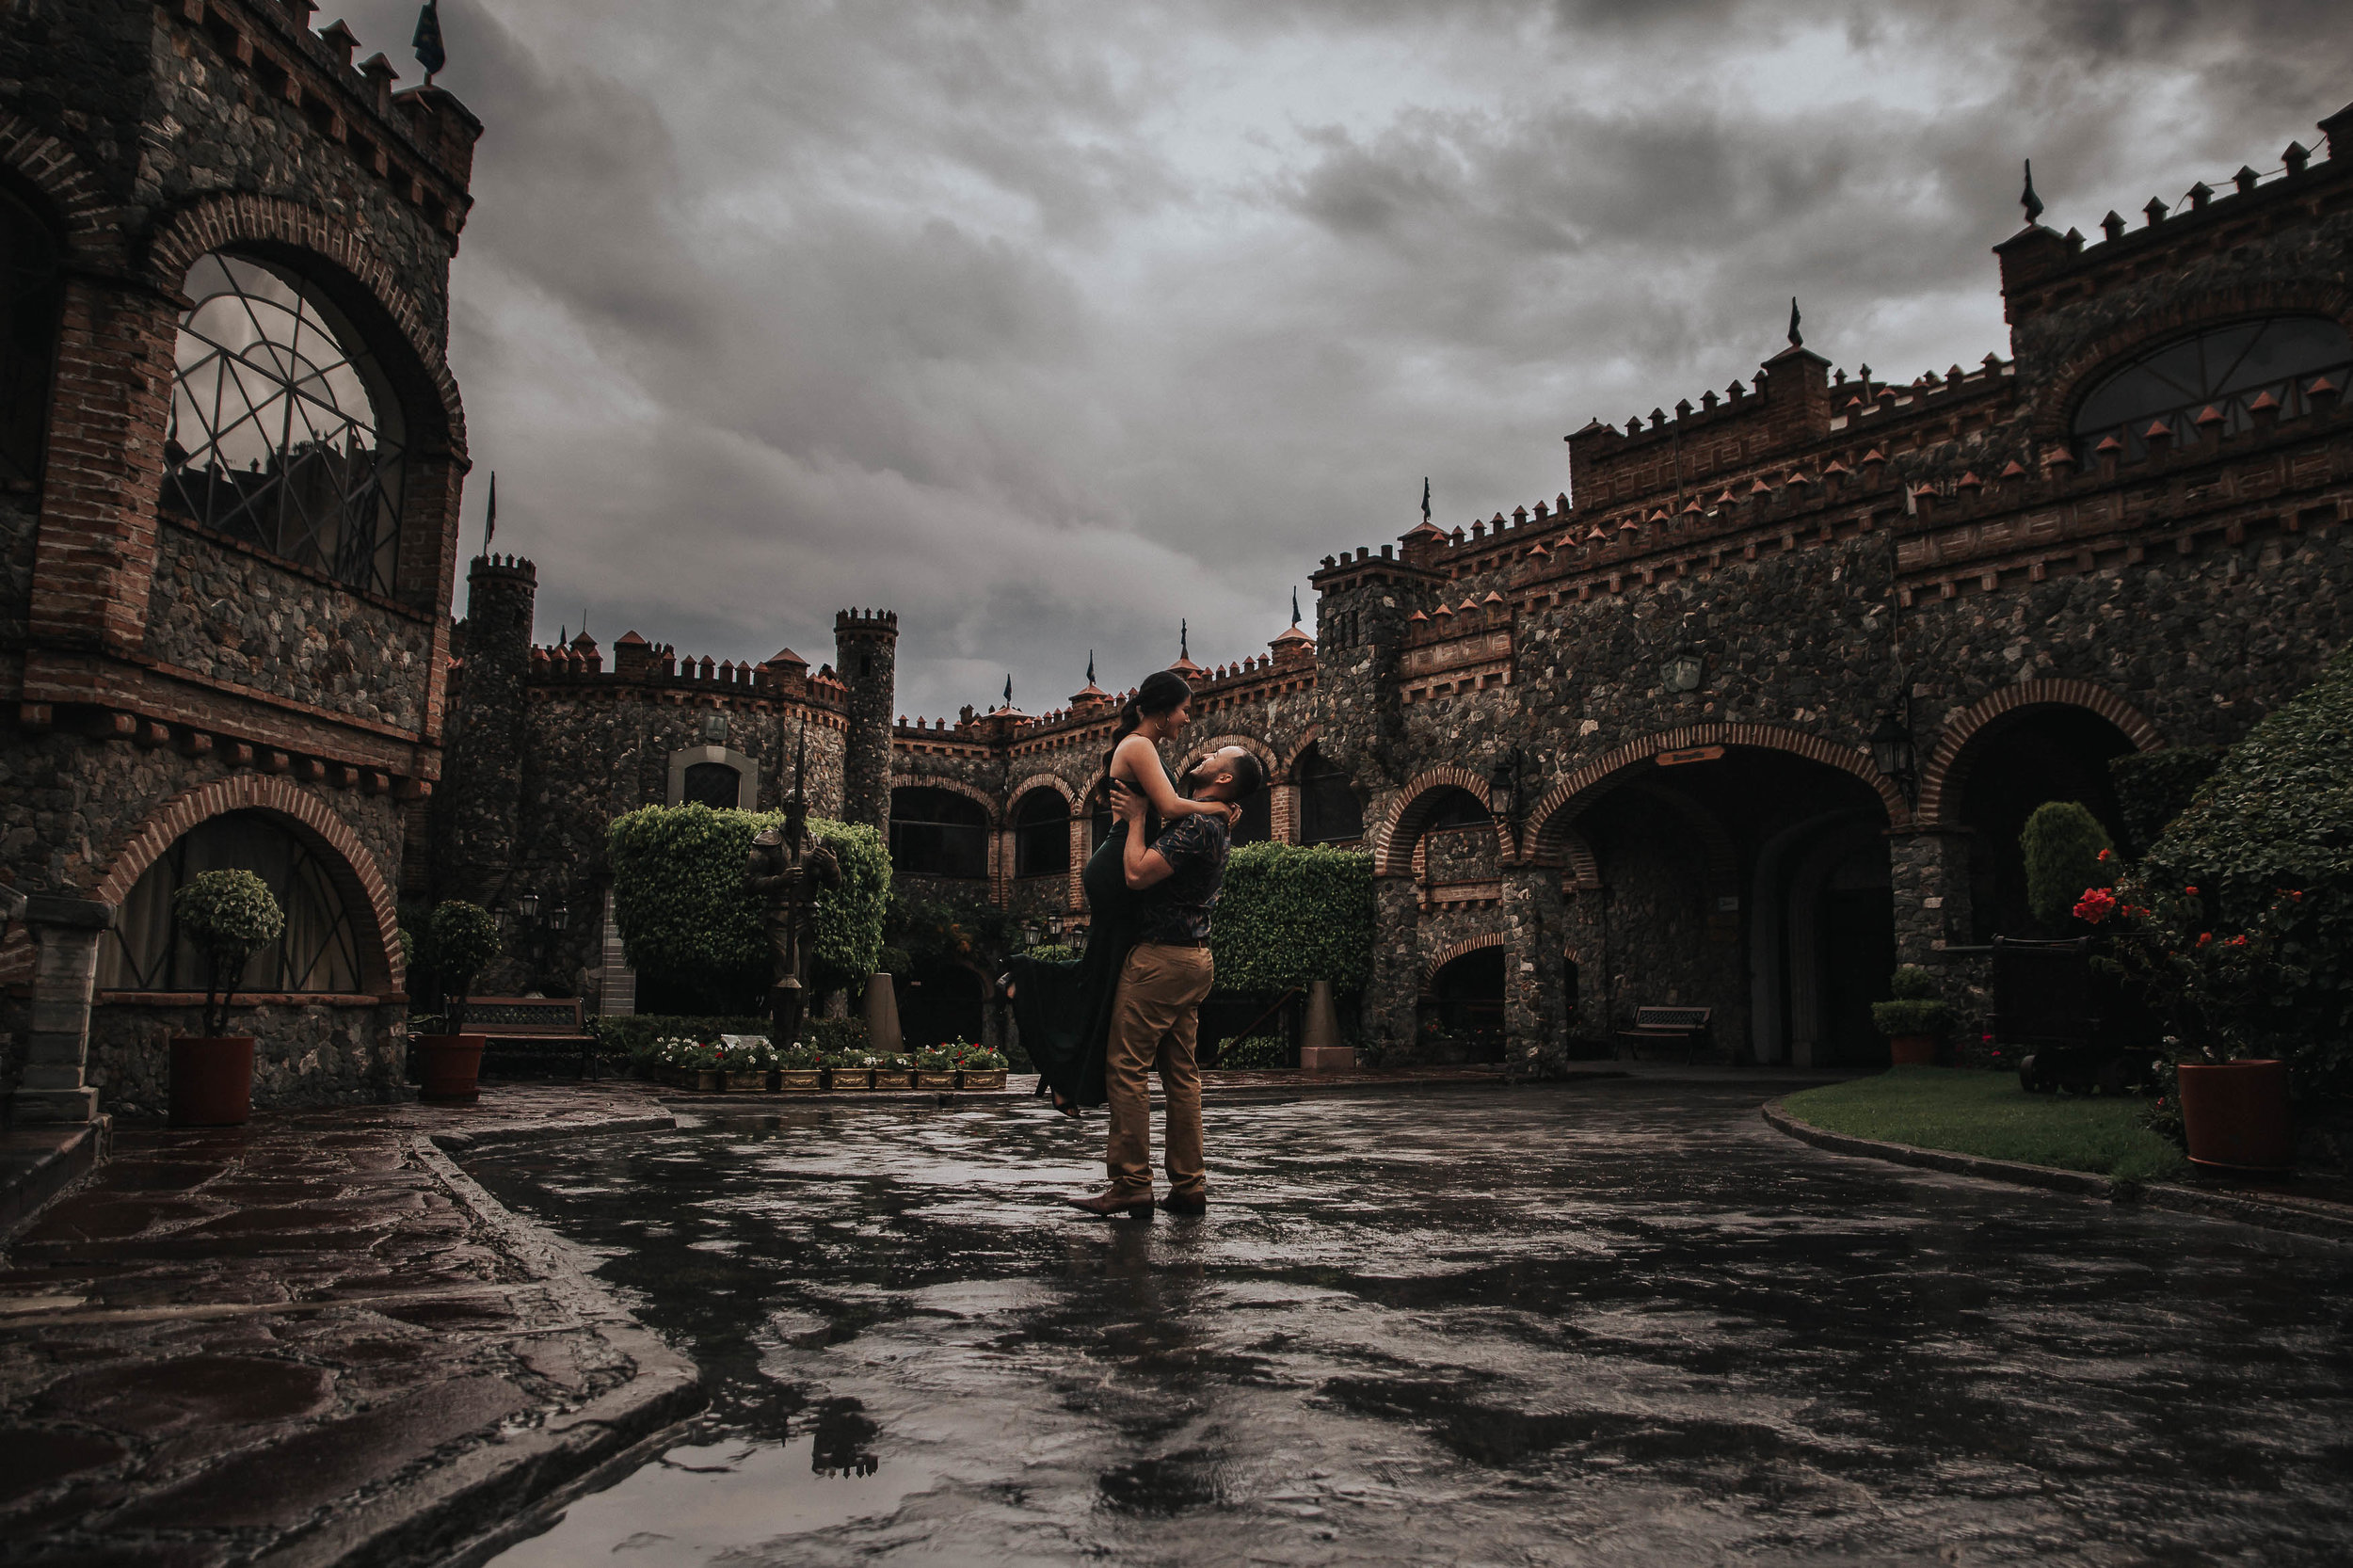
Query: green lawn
[1988, 1114]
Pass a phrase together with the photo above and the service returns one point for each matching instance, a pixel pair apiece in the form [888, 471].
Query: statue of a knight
[787, 867]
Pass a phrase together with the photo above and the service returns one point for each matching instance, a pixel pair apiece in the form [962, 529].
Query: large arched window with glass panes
[284, 432]
[318, 949]
[2218, 376]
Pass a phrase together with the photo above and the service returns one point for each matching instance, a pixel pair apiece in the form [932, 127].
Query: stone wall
[234, 615]
[305, 1055]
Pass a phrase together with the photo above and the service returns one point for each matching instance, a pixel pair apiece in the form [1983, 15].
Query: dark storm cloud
[1048, 323]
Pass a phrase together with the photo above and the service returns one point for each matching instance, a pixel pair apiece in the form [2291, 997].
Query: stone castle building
[231, 453]
[1753, 708]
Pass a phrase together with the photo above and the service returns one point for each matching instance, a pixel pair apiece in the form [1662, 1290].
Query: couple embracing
[1097, 1026]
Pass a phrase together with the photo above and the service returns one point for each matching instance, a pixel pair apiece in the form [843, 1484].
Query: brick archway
[1401, 830]
[219, 222]
[955, 786]
[1947, 770]
[1287, 773]
[1251, 743]
[49, 167]
[1452, 950]
[351, 865]
[1042, 781]
[1557, 808]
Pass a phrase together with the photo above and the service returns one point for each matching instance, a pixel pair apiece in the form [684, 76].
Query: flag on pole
[1008, 691]
[1425, 497]
[1294, 605]
[491, 528]
[427, 43]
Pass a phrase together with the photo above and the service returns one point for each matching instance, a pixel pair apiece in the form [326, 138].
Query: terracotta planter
[211, 1082]
[935, 1081]
[752, 1082]
[2235, 1115]
[450, 1067]
[800, 1080]
[981, 1083]
[1912, 1050]
[849, 1080]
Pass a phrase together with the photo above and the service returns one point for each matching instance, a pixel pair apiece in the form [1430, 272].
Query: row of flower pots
[810, 1080]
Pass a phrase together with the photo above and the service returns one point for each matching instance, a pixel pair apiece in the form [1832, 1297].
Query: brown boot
[1108, 1204]
[1186, 1203]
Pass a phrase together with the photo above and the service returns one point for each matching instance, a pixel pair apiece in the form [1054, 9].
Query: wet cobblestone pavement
[1620, 1322]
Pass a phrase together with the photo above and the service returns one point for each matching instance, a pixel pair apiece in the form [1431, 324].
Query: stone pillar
[1394, 987]
[1928, 868]
[1535, 1023]
[66, 933]
[1584, 932]
[1283, 813]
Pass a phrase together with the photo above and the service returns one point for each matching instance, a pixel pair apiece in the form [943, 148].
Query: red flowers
[2106, 856]
[2191, 891]
[2238, 941]
[2096, 905]
[2204, 937]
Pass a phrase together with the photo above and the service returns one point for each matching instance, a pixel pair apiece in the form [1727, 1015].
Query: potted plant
[747, 1061]
[893, 1071]
[465, 942]
[2213, 988]
[1914, 1020]
[980, 1069]
[849, 1069]
[229, 916]
[935, 1068]
[800, 1069]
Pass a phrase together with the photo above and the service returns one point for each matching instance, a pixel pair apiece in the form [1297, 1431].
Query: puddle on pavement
[1609, 1324]
[699, 1503]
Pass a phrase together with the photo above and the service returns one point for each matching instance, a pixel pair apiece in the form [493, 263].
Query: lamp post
[1506, 783]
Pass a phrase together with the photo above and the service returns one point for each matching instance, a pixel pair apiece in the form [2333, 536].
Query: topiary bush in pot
[1914, 1019]
[227, 915]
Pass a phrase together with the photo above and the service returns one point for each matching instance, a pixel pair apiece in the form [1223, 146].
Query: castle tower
[483, 792]
[866, 658]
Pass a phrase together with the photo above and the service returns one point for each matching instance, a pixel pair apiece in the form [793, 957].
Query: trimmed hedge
[1293, 913]
[2063, 843]
[2155, 786]
[2279, 814]
[685, 918]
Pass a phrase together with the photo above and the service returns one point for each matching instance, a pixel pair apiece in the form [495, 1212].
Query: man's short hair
[1249, 776]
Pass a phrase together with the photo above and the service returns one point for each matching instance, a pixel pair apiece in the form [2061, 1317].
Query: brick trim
[92, 229]
[2181, 315]
[349, 863]
[1554, 812]
[1583, 865]
[1452, 950]
[1039, 781]
[954, 787]
[1946, 773]
[1287, 773]
[1398, 835]
[219, 222]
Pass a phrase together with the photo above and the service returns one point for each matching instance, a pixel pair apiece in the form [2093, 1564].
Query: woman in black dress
[1064, 1011]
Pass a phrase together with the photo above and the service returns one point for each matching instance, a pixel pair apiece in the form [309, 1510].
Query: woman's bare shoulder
[1136, 752]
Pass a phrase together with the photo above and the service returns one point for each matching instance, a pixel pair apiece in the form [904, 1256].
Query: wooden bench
[534, 1028]
[1667, 1026]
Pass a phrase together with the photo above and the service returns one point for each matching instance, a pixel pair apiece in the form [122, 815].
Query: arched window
[1257, 824]
[2225, 368]
[1457, 809]
[1041, 834]
[1329, 812]
[284, 431]
[937, 833]
[30, 289]
[319, 950]
[712, 784]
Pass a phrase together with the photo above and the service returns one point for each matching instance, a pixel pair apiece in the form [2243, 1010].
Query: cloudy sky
[1048, 324]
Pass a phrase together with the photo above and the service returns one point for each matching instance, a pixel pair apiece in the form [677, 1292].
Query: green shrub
[894, 961]
[687, 921]
[2279, 814]
[835, 1034]
[2155, 786]
[1260, 1050]
[1293, 913]
[2064, 845]
[1053, 953]
[1906, 1016]
[1910, 982]
[226, 916]
[465, 943]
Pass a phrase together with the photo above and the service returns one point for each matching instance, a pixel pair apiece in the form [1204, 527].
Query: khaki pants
[1153, 1021]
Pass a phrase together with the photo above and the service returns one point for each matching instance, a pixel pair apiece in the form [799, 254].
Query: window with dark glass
[318, 950]
[1041, 834]
[1256, 824]
[1457, 809]
[31, 285]
[937, 833]
[2228, 369]
[283, 432]
[1329, 812]
[714, 784]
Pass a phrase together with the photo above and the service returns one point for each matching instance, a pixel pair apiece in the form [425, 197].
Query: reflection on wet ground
[1617, 1323]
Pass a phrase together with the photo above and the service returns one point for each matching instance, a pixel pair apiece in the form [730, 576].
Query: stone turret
[866, 659]
[484, 787]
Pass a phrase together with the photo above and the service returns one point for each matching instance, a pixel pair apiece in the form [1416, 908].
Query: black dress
[1063, 1010]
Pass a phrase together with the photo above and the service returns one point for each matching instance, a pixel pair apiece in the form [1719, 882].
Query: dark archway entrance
[939, 1003]
[2013, 766]
[1463, 1016]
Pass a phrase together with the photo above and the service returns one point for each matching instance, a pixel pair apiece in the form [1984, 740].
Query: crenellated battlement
[870, 622]
[658, 672]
